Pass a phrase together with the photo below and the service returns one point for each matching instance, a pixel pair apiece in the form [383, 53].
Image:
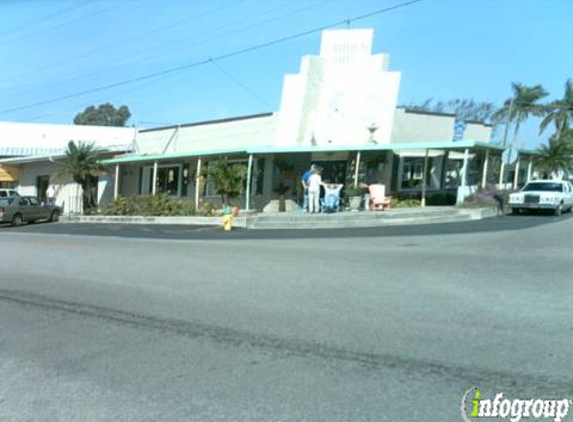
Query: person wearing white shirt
[314, 183]
[51, 195]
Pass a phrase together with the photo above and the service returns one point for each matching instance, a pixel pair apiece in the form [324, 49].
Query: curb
[302, 221]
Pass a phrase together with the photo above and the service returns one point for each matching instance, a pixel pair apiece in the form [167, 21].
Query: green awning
[458, 145]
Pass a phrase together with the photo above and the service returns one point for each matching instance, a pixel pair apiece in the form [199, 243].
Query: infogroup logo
[474, 406]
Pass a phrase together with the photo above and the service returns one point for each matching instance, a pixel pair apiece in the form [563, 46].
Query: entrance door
[168, 180]
[333, 171]
[42, 183]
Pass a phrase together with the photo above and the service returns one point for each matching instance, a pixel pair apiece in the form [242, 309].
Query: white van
[6, 193]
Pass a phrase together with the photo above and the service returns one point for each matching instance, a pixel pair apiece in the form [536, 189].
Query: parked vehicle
[551, 195]
[19, 209]
[6, 193]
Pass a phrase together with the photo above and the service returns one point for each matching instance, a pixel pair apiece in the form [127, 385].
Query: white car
[7, 193]
[552, 195]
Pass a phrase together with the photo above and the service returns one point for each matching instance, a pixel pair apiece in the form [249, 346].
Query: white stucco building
[339, 111]
[32, 153]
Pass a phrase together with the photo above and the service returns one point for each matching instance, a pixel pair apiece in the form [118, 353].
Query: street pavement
[156, 323]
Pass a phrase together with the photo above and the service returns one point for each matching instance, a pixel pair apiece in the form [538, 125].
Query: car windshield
[6, 201]
[544, 186]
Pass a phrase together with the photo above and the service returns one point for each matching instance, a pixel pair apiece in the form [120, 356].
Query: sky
[60, 56]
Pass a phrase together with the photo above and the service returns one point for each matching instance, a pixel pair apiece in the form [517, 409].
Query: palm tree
[82, 165]
[557, 156]
[560, 112]
[521, 106]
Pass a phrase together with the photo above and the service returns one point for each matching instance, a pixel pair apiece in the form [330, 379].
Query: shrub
[161, 205]
[485, 198]
[207, 209]
[405, 203]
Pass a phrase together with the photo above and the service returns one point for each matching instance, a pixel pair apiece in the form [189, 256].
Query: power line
[46, 17]
[242, 85]
[52, 28]
[98, 70]
[127, 40]
[220, 57]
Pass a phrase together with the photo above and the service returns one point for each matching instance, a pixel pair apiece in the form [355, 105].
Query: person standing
[314, 183]
[304, 181]
[51, 195]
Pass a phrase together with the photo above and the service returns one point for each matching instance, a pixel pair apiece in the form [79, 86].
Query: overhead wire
[99, 69]
[239, 83]
[45, 18]
[224, 56]
[54, 27]
[107, 47]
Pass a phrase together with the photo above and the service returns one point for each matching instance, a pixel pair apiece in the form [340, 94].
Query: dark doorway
[42, 183]
[333, 171]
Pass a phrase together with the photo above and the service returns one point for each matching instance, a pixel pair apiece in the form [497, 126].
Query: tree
[523, 104]
[229, 179]
[104, 115]
[464, 109]
[560, 112]
[82, 165]
[557, 156]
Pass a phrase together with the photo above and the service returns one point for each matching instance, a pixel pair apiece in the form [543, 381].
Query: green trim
[524, 151]
[161, 157]
[458, 145]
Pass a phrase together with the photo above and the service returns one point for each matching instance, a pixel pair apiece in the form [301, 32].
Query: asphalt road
[101, 323]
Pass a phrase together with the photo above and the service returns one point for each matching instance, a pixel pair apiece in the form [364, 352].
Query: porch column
[154, 181]
[484, 170]
[501, 168]
[424, 179]
[516, 175]
[116, 182]
[444, 171]
[356, 169]
[465, 168]
[197, 182]
[529, 169]
[249, 174]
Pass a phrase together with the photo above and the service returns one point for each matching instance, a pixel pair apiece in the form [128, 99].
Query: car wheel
[16, 220]
[55, 216]
[558, 210]
[515, 211]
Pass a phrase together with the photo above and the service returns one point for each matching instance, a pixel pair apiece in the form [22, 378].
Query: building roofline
[445, 145]
[439, 113]
[209, 122]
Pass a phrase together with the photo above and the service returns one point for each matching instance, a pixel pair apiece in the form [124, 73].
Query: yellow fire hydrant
[227, 219]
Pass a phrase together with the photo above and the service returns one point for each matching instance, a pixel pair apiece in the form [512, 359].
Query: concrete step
[373, 221]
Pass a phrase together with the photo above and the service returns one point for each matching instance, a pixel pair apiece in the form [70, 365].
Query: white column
[357, 169]
[529, 169]
[154, 181]
[249, 173]
[501, 169]
[465, 168]
[116, 182]
[197, 182]
[484, 170]
[516, 175]
[424, 179]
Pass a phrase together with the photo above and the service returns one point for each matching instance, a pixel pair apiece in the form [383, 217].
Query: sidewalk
[299, 220]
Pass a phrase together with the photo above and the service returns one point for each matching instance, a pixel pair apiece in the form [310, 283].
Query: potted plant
[282, 189]
[354, 195]
[229, 179]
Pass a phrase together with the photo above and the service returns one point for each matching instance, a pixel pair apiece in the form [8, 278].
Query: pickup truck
[18, 209]
[552, 195]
